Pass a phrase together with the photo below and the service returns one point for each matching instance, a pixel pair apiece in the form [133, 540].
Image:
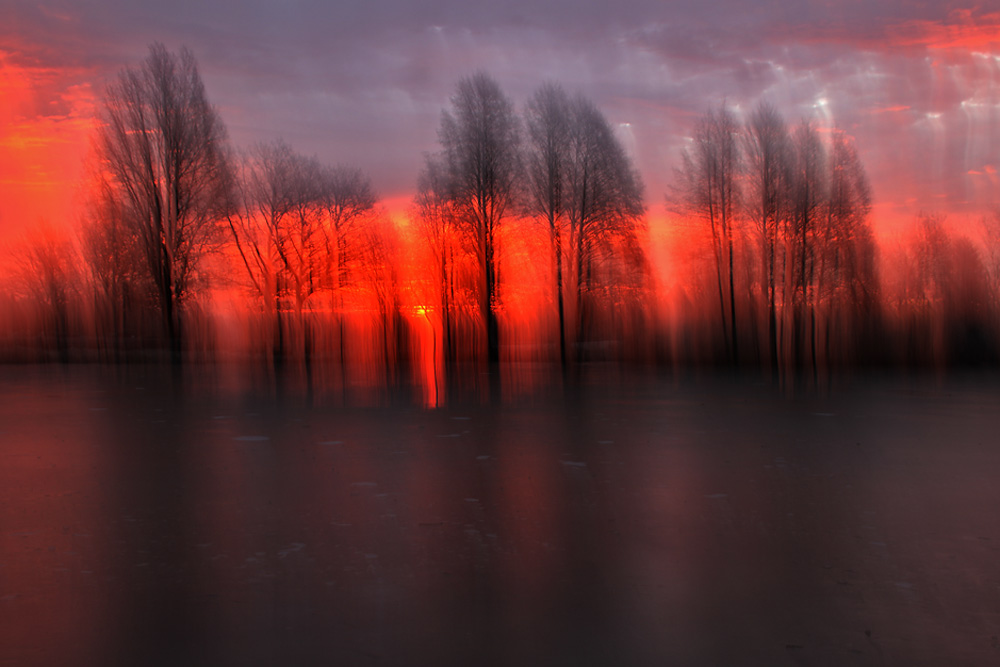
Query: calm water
[145, 521]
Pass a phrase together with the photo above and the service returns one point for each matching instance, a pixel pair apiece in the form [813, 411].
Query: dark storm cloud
[365, 82]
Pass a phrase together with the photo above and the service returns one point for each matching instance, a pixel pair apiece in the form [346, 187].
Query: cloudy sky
[916, 83]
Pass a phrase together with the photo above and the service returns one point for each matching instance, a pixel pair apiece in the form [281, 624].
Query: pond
[152, 520]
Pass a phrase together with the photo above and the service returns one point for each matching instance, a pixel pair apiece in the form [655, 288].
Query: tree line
[794, 256]
[799, 283]
[527, 241]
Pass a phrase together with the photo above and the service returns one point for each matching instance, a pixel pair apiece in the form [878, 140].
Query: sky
[916, 83]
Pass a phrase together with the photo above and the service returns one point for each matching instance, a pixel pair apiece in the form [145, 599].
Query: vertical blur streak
[791, 245]
[428, 369]
[479, 170]
[162, 148]
[525, 261]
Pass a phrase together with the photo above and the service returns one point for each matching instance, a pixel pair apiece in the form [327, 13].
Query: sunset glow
[466, 332]
[914, 91]
[919, 92]
[43, 144]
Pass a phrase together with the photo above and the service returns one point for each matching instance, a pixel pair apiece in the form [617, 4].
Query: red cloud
[962, 31]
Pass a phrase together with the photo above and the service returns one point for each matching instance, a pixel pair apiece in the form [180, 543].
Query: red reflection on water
[428, 368]
[58, 580]
[649, 525]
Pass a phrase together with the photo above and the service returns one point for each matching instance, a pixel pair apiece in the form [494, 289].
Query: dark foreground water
[646, 523]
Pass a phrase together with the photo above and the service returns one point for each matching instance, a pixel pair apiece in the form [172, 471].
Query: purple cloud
[364, 83]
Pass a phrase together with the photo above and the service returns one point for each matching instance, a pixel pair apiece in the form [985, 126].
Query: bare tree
[990, 233]
[928, 289]
[47, 275]
[258, 195]
[846, 282]
[990, 239]
[604, 214]
[163, 145]
[301, 244]
[480, 141]
[297, 226]
[708, 188]
[261, 218]
[767, 162]
[808, 199]
[119, 285]
[437, 225]
[379, 249]
[349, 200]
[548, 118]
[582, 183]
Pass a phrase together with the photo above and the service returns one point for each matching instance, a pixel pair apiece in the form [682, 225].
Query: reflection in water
[694, 523]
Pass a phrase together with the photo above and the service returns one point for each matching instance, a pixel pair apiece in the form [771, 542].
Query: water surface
[152, 520]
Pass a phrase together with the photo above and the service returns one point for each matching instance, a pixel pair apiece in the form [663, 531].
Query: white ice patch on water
[295, 546]
[251, 438]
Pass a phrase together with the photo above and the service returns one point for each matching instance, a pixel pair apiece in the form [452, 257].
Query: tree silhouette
[582, 183]
[437, 226]
[548, 124]
[480, 142]
[709, 189]
[118, 282]
[805, 198]
[349, 200]
[47, 273]
[297, 229]
[379, 253]
[847, 275]
[808, 200]
[767, 161]
[163, 146]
